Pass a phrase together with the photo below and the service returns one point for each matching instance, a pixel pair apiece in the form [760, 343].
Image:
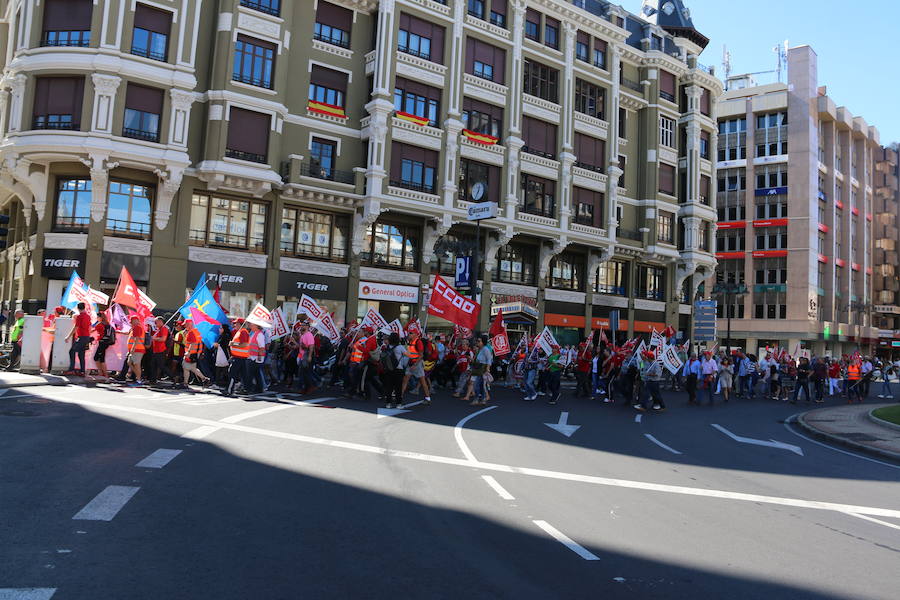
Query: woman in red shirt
[105, 336]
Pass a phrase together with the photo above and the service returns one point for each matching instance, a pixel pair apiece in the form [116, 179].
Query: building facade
[887, 237]
[795, 200]
[333, 149]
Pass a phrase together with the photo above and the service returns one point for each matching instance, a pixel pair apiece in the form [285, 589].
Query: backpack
[430, 352]
[109, 335]
[389, 360]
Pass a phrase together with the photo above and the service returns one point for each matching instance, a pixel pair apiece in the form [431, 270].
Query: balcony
[272, 7]
[72, 39]
[248, 156]
[62, 122]
[650, 295]
[667, 96]
[412, 185]
[139, 134]
[148, 53]
[340, 41]
[311, 169]
[629, 234]
[129, 229]
[632, 85]
[71, 224]
[541, 153]
[588, 167]
[254, 81]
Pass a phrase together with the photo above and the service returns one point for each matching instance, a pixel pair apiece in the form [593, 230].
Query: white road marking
[660, 444]
[853, 454]
[393, 412]
[158, 458]
[771, 443]
[200, 432]
[4, 391]
[255, 413]
[107, 503]
[565, 540]
[563, 426]
[501, 468]
[501, 491]
[457, 433]
[879, 522]
[637, 418]
[26, 593]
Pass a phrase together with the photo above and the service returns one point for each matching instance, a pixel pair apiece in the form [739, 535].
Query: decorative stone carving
[32, 186]
[259, 26]
[493, 245]
[127, 246]
[65, 241]
[182, 101]
[434, 232]
[105, 87]
[362, 222]
[227, 257]
[16, 85]
[313, 267]
[389, 275]
[169, 184]
[548, 252]
[99, 183]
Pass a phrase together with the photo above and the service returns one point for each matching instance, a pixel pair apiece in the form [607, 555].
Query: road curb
[882, 422]
[6, 386]
[840, 441]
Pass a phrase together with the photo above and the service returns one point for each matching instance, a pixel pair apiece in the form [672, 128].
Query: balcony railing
[311, 169]
[536, 152]
[612, 290]
[649, 294]
[148, 53]
[412, 185]
[633, 85]
[139, 134]
[75, 39]
[270, 8]
[416, 53]
[340, 42]
[241, 155]
[249, 80]
[46, 122]
[629, 234]
[71, 223]
[130, 229]
[589, 167]
[667, 96]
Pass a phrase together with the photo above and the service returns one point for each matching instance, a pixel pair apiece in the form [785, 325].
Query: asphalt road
[109, 492]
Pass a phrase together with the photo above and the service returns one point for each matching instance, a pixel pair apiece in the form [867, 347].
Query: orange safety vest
[193, 342]
[414, 353]
[136, 343]
[853, 372]
[257, 347]
[240, 344]
[359, 350]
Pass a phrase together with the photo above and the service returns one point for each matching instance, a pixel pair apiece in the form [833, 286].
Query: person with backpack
[192, 350]
[887, 371]
[239, 346]
[106, 337]
[158, 347]
[392, 365]
[415, 351]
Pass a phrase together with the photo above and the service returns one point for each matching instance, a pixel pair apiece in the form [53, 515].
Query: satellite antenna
[726, 61]
[781, 51]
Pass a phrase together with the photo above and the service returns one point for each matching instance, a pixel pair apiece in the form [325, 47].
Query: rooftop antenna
[781, 51]
[726, 61]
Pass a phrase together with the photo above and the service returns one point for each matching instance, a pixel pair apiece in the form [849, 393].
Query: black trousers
[690, 385]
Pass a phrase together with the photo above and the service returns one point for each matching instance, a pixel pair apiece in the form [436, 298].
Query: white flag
[670, 359]
[374, 320]
[311, 308]
[145, 300]
[279, 324]
[260, 315]
[327, 326]
[657, 340]
[98, 297]
[546, 341]
[394, 326]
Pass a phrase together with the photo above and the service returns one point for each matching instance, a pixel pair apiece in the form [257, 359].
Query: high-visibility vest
[240, 344]
[193, 342]
[853, 372]
[257, 345]
[136, 343]
[359, 351]
[414, 353]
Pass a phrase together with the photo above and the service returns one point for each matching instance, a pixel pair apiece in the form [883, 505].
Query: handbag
[221, 359]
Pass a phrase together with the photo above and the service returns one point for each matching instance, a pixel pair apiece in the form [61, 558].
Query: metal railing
[250, 156]
[148, 53]
[258, 82]
[540, 153]
[311, 169]
[269, 8]
[130, 229]
[334, 41]
[83, 40]
[589, 167]
[412, 185]
[667, 96]
[140, 134]
[630, 84]
[42, 123]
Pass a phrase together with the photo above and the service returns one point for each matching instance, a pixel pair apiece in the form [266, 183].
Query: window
[217, 221]
[67, 23]
[730, 240]
[485, 61]
[391, 245]
[254, 62]
[590, 99]
[540, 196]
[600, 53]
[611, 278]
[150, 37]
[730, 271]
[655, 42]
[582, 46]
[733, 126]
[667, 179]
[413, 168]
[651, 282]
[704, 145]
[476, 8]
[622, 162]
[128, 213]
[328, 86]
[541, 81]
[821, 243]
[705, 197]
[771, 176]
[472, 172]
[588, 207]
[421, 38]
[270, 7]
[143, 107]
[73, 204]
[567, 271]
[705, 102]
[551, 33]
[533, 25]
[666, 131]
[309, 233]
[333, 24]
[516, 264]
[775, 119]
[771, 238]
[770, 311]
[322, 156]
[539, 136]
[623, 123]
[417, 99]
[57, 102]
[498, 13]
[590, 153]
[481, 117]
[704, 237]
[248, 135]
[665, 227]
[666, 86]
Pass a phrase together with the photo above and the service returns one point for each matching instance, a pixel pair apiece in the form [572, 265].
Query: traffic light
[4, 221]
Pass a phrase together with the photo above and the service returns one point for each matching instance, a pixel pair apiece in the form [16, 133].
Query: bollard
[30, 361]
[60, 359]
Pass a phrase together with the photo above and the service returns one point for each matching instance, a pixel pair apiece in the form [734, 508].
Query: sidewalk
[853, 426]
[14, 379]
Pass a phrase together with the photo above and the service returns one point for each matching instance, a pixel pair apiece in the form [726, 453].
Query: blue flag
[82, 293]
[206, 313]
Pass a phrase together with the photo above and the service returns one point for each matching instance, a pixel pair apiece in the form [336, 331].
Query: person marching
[854, 381]
[193, 345]
[240, 353]
[415, 367]
[106, 337]
[256, 359]
[136, 349]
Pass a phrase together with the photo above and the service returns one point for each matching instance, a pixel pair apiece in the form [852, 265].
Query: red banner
[127, 292]
[499, 339]
[731, 224]
[448, 304]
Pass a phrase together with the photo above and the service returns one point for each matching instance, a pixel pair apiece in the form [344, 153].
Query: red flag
[127, 291]
[448, 304]
[603, 337]
[669, 332]
[499, 339]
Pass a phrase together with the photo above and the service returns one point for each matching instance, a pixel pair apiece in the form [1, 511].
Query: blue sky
[860, 70]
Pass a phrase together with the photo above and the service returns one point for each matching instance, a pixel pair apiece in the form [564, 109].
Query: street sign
[613, 324]
[705, 321]
[482, 210]
[462, 271]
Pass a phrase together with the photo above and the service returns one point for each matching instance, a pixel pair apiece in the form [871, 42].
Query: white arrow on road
[563, 426]
[770, 443]
[392, 412]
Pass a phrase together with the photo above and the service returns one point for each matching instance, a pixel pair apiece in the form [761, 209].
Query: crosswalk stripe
[26, 593]
[107, 504]
[158, 458]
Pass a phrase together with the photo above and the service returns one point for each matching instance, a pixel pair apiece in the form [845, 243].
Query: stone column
[613, 171]
[514, 140]
[180, 119]
[567, 104]
[4, 104]
[105, 87]
[17, 93]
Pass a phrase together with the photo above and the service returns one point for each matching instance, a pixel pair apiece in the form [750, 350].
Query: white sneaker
[427, 400]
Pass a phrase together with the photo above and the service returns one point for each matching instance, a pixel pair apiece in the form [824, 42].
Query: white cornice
[227, 257]
[314, 267]
[67, 241]
[127, 246]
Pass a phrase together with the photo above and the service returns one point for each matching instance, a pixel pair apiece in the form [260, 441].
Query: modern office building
[886, 278]
[333, 148]
[795, 200]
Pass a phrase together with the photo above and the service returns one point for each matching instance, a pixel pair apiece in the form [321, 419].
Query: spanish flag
[480, 138]
[326, 109]
[420, 121]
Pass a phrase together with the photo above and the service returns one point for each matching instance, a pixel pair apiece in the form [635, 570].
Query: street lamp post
[728, 290]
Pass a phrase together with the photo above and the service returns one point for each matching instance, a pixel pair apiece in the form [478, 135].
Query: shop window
[516, 264]
[248, 135]
[129, 210]
[333, 24]
[651, 282]
[143, 109]
[254, 62]
[314, 234]
[57, 103]
[228, 223]
[67, 23]
[567, 272]
[389, 245]
[150, 37]
[73, 205]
